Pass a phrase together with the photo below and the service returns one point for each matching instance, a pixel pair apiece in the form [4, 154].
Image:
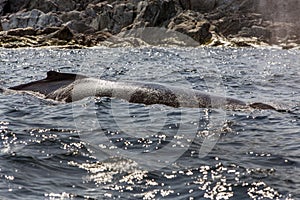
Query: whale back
[52, 82]
[59, 86]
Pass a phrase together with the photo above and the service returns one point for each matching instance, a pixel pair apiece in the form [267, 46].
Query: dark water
[107, 148]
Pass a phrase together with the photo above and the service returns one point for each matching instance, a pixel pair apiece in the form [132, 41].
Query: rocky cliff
[149, 22]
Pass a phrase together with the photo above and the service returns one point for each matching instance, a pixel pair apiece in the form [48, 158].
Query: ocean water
[103, 148]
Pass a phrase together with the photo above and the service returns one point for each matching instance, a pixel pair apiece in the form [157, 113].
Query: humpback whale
[68, 87]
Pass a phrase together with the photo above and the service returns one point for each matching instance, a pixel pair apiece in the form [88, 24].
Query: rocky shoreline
[78, 23]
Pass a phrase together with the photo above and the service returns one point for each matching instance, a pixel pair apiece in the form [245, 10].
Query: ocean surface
[103, 148]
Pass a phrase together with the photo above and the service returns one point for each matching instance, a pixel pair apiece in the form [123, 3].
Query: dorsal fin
[262, 106]
[52, 82]
[53, 75]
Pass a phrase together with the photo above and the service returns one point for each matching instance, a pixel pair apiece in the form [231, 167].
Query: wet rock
[22, 31]
[246, 42]
[192, 24]
[47, 30]
[218, 40]
[12, 41]
[35, 18]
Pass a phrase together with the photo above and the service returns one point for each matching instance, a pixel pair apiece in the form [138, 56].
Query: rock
[66, 5]
[52, 5]
[47, 30]
[16, 42]
[78, 21]
[218, 40]
[151, 36]
[48, 20]
[192, 24]
[202, 6]
[17, 5]
[93, 9]
[63, 34]
[283, 20]
[210, 22]
[102, 21]
[80, 27]
[92, 39]
[154, 13]
[256, 31]
[43, 5]
[48, 5]
[232, 24]
[124, 15]
[279, 11]
[34, 18]
[116, 42]
[284, 33]
[184, 4]
[246, 42]
[113, 18]
[22, 31]
[3, 6]
[72, 15]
